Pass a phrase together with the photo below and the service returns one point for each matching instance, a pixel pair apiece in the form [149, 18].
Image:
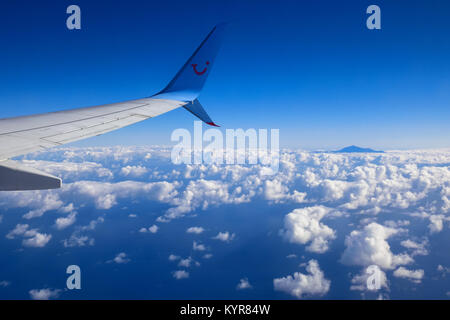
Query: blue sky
[310, 68]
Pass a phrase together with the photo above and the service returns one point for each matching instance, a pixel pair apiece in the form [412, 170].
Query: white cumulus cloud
[120, 258]
[412, 275]
[196, 230]
[153, 229]
[64, 222]
[369, 246]
[198, 246]
[180, 274]
[243, 284]
[224, 236]
[304, 226]
[44, 294]
[299, 285]
[31, 237]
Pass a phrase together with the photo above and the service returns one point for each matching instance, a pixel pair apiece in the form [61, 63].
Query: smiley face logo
[199, 73]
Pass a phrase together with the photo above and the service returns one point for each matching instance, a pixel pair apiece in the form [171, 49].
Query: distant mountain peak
[355, 149]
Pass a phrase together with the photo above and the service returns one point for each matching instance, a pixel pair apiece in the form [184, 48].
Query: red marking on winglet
[212, 124]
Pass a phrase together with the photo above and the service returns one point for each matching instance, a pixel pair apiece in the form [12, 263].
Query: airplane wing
[27, 134]
[22, 135]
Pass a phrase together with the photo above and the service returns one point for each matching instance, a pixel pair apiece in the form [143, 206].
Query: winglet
[188, 82]
[197, 110]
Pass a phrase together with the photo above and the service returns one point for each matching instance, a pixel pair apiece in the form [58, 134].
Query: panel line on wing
[73, 121]
[94, 130]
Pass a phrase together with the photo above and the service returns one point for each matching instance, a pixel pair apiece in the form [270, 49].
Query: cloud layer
[379, 196]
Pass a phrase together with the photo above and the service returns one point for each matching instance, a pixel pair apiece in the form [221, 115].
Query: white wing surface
[27, 134]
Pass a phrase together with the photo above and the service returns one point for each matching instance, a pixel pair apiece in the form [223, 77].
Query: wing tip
[212, 124]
